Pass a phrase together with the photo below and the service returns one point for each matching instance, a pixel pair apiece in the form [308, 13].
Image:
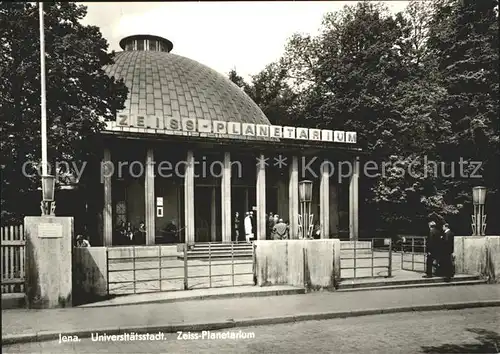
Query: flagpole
[43, 95]
[48, 204]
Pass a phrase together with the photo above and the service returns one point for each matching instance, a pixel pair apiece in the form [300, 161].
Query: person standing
[270, 226]
[248, 227]
[254, 224]
[448, 246]
[236, 226]
[280, 230]
[432, 248]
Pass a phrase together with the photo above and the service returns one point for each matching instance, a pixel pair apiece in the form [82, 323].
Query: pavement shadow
[487, 342]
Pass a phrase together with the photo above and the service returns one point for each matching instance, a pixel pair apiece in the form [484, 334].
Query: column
[149, 198]
[213, 216]
[324, 200]
[261, 199]
[293, 198]
[189, 198]
[354, 201]
[107, 212]
[226, 199]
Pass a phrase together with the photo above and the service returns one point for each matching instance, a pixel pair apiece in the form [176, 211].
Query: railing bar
[209, 265]
[159, 267]
[232, 263]
[372, 259]
[133, 250]
[412, 254]
[107, 275]
[355, 245]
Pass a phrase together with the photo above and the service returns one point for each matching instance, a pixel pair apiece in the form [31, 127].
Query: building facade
[191, 149]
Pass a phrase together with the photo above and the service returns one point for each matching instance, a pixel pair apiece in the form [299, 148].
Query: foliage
[421, 89]
[80, 96]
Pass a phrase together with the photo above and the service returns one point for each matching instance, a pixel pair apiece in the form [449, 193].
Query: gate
[413, 253]
[369, 258]
[143, 269]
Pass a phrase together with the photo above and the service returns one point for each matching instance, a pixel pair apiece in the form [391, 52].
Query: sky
[245, 36]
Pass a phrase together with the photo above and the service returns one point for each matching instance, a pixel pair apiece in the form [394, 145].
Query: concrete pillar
[149, 198]
[107, 212]
[213, 215]
[293, 198]
[324, 200]
[354, 201]
[48, 261]
[189, 198]
[226, 199]
[261, 199]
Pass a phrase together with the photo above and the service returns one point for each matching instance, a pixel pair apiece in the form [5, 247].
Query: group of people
[277, 229]
[129, 235]
[82, 241]
[440, 248]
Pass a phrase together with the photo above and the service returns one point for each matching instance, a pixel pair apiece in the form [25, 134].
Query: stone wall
[478, 255]
[90, 274]
[311, 263]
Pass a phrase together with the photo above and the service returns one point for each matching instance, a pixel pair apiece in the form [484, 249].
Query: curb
[230, 323]
[281, 292]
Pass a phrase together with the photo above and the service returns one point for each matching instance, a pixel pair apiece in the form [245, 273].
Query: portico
[200, 183]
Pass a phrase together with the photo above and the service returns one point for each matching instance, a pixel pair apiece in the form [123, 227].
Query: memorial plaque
[48, 230]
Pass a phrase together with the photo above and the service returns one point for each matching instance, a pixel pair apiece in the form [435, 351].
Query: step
[423, 285]
[384, 282]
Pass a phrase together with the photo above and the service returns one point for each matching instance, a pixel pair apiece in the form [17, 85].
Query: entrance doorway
[207, 214]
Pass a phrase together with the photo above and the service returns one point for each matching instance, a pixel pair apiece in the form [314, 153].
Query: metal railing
[146, 273]
[413, 253]
[131, 263]
[364, 257]
[214, 262]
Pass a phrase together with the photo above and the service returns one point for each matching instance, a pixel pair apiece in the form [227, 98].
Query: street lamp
[479, 217]
[305, 217]
[48, 182]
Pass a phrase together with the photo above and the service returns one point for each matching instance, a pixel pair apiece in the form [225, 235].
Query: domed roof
[165, 84]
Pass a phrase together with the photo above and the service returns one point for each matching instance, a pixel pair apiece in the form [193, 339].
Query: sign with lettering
[49, 230]
[204, 127]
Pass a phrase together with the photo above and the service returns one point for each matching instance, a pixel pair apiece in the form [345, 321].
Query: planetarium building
[191, 151]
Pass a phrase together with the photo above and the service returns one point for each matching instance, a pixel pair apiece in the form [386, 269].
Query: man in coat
[280, 230]
[270, 226]
[446, 260]
[433, 248]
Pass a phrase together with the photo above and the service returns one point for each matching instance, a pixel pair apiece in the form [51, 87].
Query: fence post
[390, 258]
[159, 263]
[402, 243]
[254, 264]
[209, 265]
[185, 266]
[232, 263]
[354, 268]
[135, 285]
[107, 269]
[304, 258]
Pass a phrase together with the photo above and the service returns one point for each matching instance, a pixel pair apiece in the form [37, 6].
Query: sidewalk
[30, 325]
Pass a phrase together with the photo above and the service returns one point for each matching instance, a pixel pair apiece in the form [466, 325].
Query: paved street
[455, 331]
